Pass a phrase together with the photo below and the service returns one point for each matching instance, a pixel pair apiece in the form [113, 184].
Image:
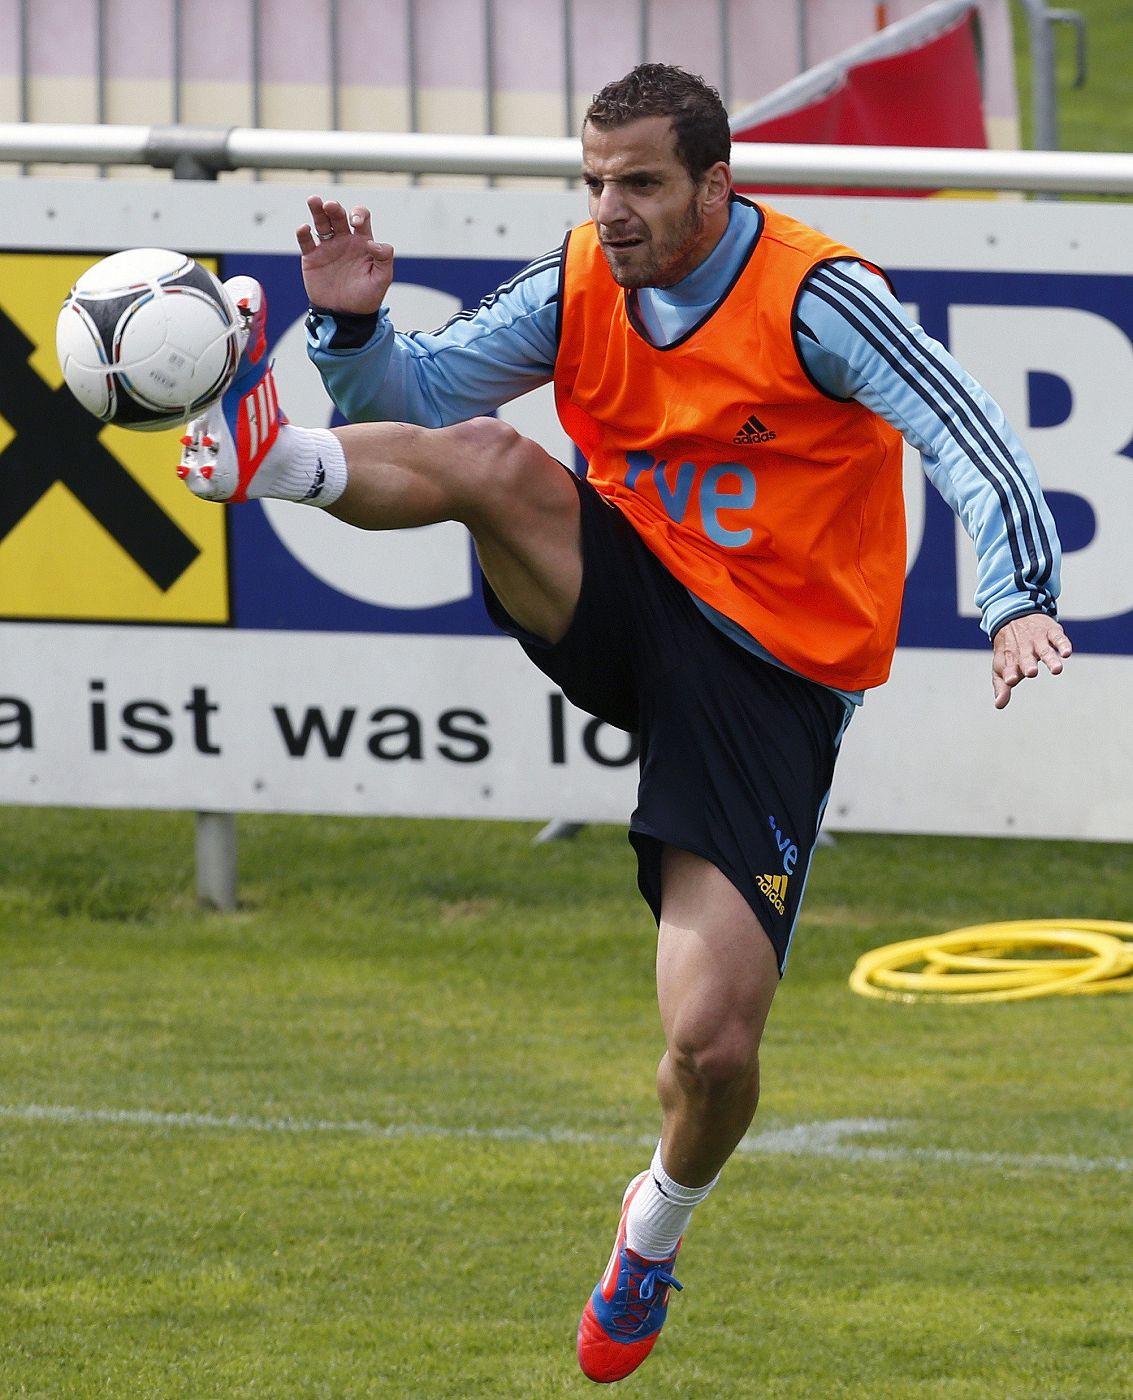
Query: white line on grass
[832, 1138]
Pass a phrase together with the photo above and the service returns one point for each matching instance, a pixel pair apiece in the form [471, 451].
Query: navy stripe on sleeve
[533, 269]
[961, 416]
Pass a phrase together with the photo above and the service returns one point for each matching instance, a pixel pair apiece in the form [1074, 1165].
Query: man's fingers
[361, 223]
[337, 222]
[1053, 649]
[1004, 679]
[329, 220]
[1022, 648]
[322, 219]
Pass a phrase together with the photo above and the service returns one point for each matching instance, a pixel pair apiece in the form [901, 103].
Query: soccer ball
[147, 339]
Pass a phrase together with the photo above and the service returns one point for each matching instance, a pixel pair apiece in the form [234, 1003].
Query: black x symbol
[57, 440]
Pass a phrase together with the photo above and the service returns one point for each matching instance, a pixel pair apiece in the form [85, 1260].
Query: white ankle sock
[304, 464]
[659, 1213]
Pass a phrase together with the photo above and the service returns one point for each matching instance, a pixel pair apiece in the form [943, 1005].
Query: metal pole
[216, 860]
[489, 74]
[178, 60]
[100, 68]
[412, 87]
[725, 52]
[257, 72]
[489, 68]
[334, 67]
[25, 68]
[215, 844]
[551, 157]
[568, 68]
[334, 74]
[1044, 94]
[1044, 79]
[557, 831]
[100, 62]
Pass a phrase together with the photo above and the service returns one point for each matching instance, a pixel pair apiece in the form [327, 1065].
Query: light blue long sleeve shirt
[853, 336]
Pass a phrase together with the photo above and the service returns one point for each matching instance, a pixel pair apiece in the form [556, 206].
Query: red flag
[927, 96]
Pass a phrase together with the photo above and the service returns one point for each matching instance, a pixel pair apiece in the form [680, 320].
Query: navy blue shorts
[736, 754]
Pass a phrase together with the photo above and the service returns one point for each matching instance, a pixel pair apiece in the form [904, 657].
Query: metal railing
[205, 152]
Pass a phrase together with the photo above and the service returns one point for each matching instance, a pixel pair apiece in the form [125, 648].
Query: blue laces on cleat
[634, 1315]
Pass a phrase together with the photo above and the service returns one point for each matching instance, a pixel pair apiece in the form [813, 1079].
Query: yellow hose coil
[985, 962]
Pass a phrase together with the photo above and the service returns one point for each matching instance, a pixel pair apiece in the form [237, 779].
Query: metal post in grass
[557, 831]
[1041, 20]
[216, 860]
[200, 153]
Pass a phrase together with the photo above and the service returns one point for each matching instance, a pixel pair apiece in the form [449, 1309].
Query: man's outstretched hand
[1020, 647]
[343, 268]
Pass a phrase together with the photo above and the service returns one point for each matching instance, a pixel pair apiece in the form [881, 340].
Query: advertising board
[156, 651]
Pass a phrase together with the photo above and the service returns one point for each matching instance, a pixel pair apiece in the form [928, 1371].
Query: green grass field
[367, 1136]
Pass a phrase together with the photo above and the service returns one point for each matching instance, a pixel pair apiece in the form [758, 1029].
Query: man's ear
[716, 183]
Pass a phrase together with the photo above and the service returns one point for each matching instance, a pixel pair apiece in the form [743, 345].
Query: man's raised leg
[519, 504]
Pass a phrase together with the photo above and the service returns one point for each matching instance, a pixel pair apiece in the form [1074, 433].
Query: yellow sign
[94, 523]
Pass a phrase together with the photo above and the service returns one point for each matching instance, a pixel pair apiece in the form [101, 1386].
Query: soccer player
[726, 579]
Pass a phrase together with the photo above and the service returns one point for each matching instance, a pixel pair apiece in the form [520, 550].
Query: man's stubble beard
[669, 262]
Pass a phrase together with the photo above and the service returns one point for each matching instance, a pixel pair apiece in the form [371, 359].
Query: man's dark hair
[700, 122]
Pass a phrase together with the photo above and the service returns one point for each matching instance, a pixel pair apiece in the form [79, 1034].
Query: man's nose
[610, 206]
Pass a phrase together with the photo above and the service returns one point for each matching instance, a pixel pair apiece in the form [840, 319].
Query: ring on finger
[324, 237]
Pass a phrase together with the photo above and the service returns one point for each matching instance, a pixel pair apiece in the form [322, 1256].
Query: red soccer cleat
[627, 1309]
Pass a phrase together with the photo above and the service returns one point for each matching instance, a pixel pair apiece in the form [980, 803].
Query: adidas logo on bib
[753, 431]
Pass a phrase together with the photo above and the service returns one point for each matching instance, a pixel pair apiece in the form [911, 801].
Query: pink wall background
[762, 42]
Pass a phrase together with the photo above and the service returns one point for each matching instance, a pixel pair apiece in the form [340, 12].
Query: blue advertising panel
[270, 587]
[931, 617]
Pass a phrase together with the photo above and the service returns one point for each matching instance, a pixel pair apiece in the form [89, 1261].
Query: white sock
[659, 1213]
[304, 464]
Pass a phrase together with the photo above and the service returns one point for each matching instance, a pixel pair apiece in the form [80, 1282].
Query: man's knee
[718, 1058]
[489, 459]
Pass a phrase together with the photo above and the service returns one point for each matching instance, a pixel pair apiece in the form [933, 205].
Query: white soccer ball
[147, 339]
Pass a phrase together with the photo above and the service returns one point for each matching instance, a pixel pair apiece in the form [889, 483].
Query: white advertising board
[159, 652]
